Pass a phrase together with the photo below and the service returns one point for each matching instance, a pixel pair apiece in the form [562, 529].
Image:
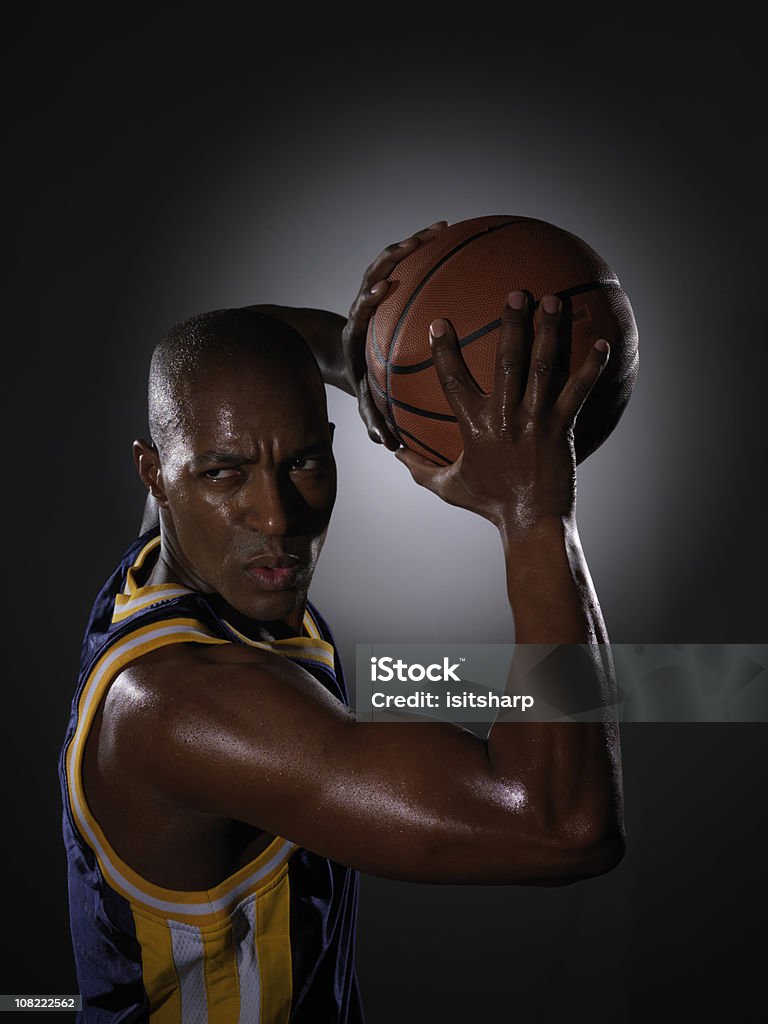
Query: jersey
[271, 944]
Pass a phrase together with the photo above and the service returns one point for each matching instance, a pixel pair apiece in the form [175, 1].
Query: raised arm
[239, 734]
[338, 343]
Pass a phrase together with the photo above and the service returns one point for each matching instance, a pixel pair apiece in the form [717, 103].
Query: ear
[147, 459]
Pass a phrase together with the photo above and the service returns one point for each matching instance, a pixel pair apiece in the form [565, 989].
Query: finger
[425, 473]
[543, 353]
[365, 302]
[459, 386]
[373, 419]
[577, 389]
[375, 284]
[432, 230]
[512, 353]
[387, 260]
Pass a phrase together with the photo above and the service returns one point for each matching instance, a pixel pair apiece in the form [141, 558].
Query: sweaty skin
[227, 746]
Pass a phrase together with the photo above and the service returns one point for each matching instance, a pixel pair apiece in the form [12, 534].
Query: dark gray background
[159, 166]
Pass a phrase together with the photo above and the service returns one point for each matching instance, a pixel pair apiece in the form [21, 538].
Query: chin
[270, 607]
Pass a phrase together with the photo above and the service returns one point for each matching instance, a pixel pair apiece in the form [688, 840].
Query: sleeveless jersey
[273, 943]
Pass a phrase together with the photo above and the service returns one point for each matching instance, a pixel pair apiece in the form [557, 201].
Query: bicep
[272, 748]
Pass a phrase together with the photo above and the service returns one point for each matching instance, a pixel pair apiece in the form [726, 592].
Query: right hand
[518, 466]
[372, 290]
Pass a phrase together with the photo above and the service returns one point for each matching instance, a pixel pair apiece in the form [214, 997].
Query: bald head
[235, 339]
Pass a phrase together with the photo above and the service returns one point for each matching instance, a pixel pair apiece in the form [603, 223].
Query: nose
[270, 505]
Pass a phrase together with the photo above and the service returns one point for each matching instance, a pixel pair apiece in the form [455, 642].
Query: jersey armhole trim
[201, 906]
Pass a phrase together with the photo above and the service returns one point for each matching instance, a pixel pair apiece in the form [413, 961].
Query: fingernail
[516, 300]
[551, 304]
[437, 328]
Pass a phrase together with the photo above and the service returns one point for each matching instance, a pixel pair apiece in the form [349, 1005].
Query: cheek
[198, 517]
[320, 496]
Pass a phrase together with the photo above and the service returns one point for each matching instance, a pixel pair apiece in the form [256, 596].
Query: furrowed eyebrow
[236, 459]
[222, 459]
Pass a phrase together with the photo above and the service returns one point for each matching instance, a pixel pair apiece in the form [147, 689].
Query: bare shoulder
[181, 682]
[187, 716]
[159, 760]
[190, 689]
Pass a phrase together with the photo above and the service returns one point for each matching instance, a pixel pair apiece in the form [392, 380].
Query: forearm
[549, 587]
[572, 769]
[321, 330]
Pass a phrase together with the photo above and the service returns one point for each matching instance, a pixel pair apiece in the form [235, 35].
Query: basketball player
[219, 795]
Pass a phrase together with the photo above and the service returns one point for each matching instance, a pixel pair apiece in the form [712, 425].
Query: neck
[169, 568]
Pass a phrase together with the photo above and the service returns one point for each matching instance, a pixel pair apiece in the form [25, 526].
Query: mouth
[273, 571]
[281, 560]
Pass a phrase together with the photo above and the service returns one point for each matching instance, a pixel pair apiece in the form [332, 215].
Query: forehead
[248, 405]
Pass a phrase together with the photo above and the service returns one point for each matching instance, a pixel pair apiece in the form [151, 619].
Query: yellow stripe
[130, 581]
[273, 949]
[145, 597]
[221, 985]
[108, 859]
[311, 626]
[199, 631]
[298, 647]
[158, 972]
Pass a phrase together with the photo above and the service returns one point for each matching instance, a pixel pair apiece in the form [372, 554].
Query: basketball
[465, 274]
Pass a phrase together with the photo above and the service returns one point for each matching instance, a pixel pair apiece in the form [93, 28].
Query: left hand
[372, 290]
[518, 464]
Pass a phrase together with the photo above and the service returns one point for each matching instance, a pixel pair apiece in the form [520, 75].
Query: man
[219, 795]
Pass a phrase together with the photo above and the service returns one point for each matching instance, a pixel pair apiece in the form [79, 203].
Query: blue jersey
[272, 943]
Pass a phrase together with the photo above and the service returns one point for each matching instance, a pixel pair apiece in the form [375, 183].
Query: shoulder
[185, 722]
[186, 694]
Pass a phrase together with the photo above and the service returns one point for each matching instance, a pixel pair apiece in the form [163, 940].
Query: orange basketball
[464, 274]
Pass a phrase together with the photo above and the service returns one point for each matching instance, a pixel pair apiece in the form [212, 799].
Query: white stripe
[169, 907]
[310, 626]
[190, 909]
[189, 961]
[148, 599]
[248, 974]
[130, 645]
[291, 651]
[311, 652]
[288, 650]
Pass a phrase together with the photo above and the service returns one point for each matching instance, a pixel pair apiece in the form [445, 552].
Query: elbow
[601, 857]
[577, 860]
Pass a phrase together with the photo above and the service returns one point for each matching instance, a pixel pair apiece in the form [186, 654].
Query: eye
[220, 474]
[306, 463]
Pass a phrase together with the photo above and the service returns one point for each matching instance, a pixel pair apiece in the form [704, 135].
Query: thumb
[424, 472]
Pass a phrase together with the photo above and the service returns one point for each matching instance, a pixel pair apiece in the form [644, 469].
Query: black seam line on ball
[375, 340]
[567, 293]
[422, 283]
[426, 447]
[415, 367]
[446, 417]
[375, 386]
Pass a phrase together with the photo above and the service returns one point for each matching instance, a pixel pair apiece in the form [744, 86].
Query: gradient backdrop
[161, 166]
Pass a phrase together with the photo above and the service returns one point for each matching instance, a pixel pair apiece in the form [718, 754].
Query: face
[248, 489]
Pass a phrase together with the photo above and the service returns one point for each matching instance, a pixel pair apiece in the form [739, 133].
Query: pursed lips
[282, 560]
